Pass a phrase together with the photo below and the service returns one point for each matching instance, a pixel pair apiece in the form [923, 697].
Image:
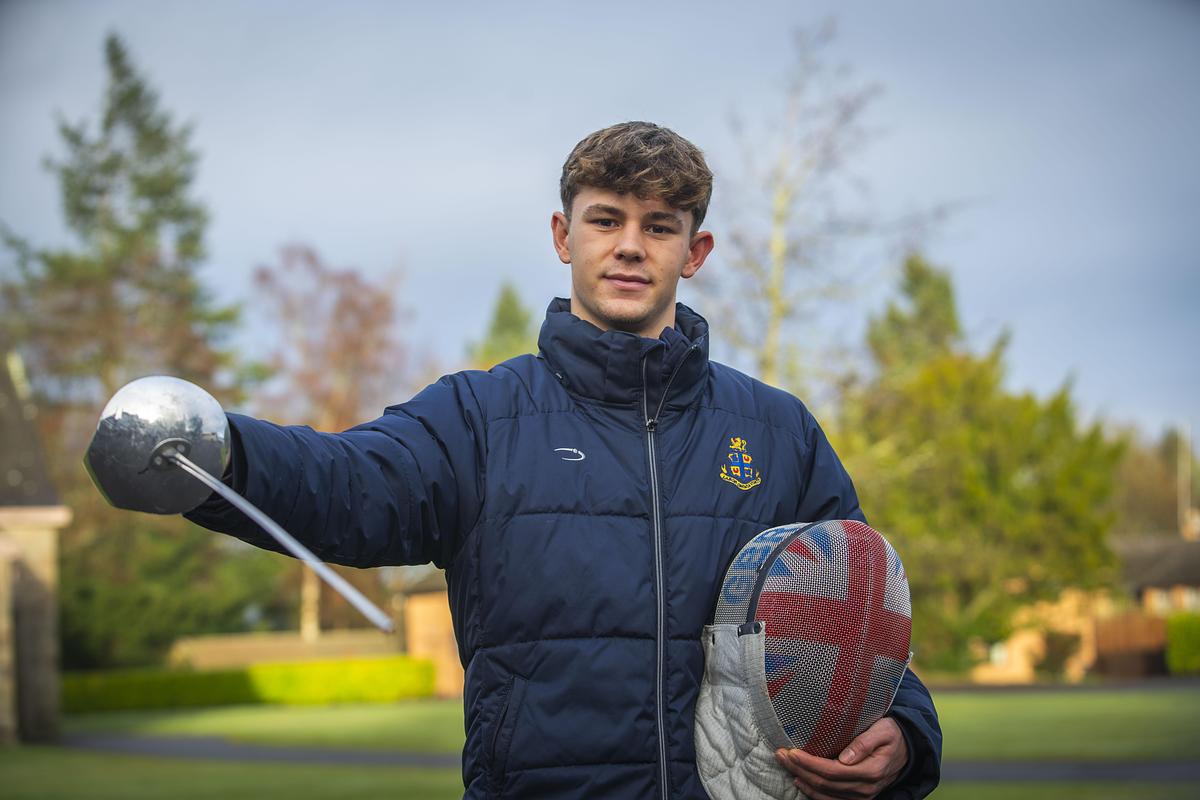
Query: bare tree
[793, 212]
[342, 358]
[341, 361]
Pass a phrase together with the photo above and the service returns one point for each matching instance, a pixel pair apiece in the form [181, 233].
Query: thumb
[867, 742]
[853, 752]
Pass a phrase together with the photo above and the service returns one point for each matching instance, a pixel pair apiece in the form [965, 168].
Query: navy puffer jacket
[584, 504]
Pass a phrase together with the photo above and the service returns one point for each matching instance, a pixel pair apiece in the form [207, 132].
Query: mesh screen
[838, 623]
[885, 680]
[733, 604]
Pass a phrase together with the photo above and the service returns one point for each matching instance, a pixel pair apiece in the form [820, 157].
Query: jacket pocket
[506, 723]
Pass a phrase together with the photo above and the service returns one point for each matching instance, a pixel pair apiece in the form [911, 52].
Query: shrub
[1183, 644]
[352, 680]
[1060, 647]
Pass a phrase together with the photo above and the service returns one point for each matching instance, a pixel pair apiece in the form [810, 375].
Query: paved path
[207, 747]
[224, 750]
[1100, 771]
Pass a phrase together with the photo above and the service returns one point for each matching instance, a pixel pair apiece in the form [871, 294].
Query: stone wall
[243, 649]
[30, 535]
[8, 668]
[430, 634]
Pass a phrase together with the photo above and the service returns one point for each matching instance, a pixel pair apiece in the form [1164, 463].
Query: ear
[560, 226]
[701, 245]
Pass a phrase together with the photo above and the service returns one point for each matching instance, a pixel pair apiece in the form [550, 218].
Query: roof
[24, 479]
[1160, 562]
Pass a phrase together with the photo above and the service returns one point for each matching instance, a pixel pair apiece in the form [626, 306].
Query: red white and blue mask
[808, 644]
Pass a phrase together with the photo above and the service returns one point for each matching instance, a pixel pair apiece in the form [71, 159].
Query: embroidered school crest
[739, 467]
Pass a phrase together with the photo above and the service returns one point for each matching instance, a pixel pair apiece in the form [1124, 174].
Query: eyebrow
[601, 208]
[663, 216]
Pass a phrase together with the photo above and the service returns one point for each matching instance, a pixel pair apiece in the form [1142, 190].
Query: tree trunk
[310, 605]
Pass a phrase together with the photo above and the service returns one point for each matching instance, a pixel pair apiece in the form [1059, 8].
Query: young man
[578, 503]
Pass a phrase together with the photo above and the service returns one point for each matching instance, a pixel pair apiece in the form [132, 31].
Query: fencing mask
[808, 644]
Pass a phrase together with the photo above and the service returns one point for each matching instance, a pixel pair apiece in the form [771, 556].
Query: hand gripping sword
[158, 448]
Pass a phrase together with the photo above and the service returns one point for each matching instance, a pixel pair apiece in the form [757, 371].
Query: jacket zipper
[659, 589]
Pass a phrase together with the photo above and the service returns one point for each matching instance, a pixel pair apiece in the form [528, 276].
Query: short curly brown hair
[644, 159]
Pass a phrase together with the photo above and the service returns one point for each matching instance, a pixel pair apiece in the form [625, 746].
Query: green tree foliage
[907, 337]
[126, 301]
[128, 593]
[510, 333]
[993, 499]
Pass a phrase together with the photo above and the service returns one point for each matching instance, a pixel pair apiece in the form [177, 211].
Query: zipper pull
[651, 424]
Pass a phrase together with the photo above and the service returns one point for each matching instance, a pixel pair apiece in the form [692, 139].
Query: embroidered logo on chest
[739, 467]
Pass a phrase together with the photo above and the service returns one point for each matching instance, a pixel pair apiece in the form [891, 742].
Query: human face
[627, 256]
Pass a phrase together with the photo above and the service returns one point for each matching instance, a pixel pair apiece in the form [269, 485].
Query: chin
[625, 319]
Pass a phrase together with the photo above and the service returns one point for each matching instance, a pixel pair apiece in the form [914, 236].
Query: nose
[629, 246]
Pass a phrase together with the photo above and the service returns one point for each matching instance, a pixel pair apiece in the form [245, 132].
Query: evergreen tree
[928, 327]
[993, 499]
[509, 334]
[126, 301]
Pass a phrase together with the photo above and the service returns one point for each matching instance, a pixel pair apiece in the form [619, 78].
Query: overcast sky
[430, 136]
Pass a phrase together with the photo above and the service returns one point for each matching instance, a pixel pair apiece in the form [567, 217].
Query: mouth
[627, 281]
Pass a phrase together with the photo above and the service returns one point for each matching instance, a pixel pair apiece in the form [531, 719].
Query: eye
[605, 222]
[659, 230]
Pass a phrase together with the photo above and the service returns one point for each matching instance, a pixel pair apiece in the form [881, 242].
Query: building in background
[30, 520]
[1106, 634]
[1162, 574]
[425, 630]
[424, 607]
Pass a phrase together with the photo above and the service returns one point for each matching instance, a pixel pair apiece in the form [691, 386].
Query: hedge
[1183, 644]
[347, 680]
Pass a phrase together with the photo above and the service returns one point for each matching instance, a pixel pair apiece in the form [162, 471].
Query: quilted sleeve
[913, 710]
[826, 491]
[402, 489]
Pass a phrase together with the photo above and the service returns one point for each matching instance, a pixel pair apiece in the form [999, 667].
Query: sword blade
[356, 598]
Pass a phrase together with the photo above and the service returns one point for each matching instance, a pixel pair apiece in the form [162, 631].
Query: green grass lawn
[1066, 791]
[1158, 724]
[1138, 725]
[48, 773]
[419, 726]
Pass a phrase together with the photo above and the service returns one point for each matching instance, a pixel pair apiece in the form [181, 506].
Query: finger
[883, 733]
[824, 768]
[781, 755]
[817, 788]
[785, 760]
[812, 792]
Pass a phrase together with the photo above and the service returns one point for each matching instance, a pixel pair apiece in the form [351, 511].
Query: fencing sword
[159, 446]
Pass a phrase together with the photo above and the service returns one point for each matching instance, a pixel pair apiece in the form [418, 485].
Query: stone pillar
[429, 631]
[33, 531]
[8, 667]
[310, 605]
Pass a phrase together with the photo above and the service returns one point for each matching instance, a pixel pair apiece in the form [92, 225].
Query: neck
[648, 330]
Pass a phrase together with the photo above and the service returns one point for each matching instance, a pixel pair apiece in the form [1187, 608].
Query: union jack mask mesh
[808, 644]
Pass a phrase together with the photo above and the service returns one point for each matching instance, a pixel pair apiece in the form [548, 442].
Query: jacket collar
[623, 368]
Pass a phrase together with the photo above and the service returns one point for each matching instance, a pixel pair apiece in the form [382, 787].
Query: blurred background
[966, 237]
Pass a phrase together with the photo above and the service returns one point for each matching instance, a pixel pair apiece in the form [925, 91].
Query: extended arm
[402, 489]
